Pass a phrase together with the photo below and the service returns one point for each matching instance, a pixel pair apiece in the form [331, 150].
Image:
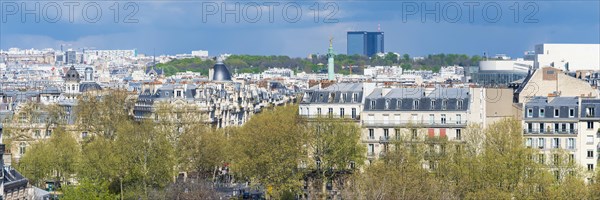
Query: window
[590, 154]
[37, 133]
[458, 119]
[571, 143]
[555, 143]
[542, 113]
[414, 134]
[542, 158]
[22, 148]
[571, 158]
[432, 105]
[431, 119]
[178, 93]
[371, 150]
[556, 113]
[541, 143]
[386, 134]
[459, 104]
[555, 159]
[528, 142]
[398, 104]
[444, 103]
[371, 134]
[590, 125]
[48, 133]
[459, 134]
[354, 97]
[415, 104]
[319, 111]
[372, 104]
[571, 112]
[330, 112]
[590, 112]
[353, 113]
[590, 167]
[342, 113]
[529, 112]
[443, 119]
[387, 104]
[343, 99]
[556, 127]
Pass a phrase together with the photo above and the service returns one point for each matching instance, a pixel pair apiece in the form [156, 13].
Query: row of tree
[120, 157]
[287, 155]
[490, 163]
[316, 63]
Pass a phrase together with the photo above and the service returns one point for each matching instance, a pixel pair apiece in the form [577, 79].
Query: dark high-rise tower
[365, 43]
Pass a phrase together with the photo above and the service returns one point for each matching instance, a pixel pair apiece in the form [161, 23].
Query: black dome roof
[220, 72]
[89, 86]
[72, 75]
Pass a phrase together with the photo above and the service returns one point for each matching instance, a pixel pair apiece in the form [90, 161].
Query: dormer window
[459, 104]
[387, 104]
[415, 104]
[432, 105]
[343, 99]
[331, 97]
[354, 97]
[398, 104]
[372, 104]
[542, 112]
[444, 104]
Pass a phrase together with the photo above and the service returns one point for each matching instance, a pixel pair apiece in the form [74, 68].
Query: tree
[335, 150]
[269, 149]
[87, 189]
[101, 114]
[56, 158]
[405, 58]
[36, 163]
[202, 150]
[65, 153]
[100, 161]
[145, 157]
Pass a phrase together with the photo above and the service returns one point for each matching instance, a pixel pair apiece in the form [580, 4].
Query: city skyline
[182, 26]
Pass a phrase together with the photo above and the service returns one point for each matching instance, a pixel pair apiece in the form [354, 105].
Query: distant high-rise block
[365, 43]
[71, 57]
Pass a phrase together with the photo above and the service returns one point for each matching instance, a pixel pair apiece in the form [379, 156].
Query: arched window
[22, 148]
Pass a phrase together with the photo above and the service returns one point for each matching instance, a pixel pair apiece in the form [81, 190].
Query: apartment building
[415, 113]
[551, 124]
[338, 100]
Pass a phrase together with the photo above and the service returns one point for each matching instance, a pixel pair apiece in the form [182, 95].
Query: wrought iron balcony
[550, 131]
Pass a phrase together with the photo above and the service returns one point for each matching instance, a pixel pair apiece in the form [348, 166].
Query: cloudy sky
[294, 28]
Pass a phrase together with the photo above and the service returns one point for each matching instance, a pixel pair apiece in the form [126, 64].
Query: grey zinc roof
[404, 98]
[562, 104]
[349, 87]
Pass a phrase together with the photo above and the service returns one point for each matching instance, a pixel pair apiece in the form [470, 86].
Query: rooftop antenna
[378, 27]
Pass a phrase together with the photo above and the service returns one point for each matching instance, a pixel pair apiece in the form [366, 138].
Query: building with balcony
[414, 113]
[571, 124]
